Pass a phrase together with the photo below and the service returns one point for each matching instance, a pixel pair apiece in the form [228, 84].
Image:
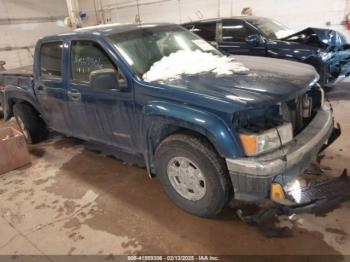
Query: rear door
[49, 86]
[99, 114]
[233, 38]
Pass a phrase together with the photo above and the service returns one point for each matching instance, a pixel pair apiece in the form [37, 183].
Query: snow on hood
[191, 63]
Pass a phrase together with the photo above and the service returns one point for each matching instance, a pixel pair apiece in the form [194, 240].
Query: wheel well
[14, 101]
[198, 135]
[172, 130]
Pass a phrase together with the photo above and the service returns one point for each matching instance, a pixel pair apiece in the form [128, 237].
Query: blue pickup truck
[212, 128]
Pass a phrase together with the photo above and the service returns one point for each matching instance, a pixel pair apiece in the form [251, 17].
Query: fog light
[277, 193]
[295, 187]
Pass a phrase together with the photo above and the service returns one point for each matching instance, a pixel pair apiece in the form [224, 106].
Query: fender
[163, 117]
[15, 93]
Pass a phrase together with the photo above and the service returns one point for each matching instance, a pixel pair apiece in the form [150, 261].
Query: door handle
[74, 94]
[40, 88]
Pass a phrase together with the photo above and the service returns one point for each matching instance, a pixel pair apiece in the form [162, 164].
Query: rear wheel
[193, 175]
[31, 125]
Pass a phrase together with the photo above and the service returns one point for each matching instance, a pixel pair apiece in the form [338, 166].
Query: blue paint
[136, 118]
[308, 46]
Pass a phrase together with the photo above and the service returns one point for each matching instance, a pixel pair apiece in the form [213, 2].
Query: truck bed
[20, 71]
[21, 77]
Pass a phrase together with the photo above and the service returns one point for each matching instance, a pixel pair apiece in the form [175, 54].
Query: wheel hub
[186, 178]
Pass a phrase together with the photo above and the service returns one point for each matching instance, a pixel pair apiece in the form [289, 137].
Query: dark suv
[326, 50]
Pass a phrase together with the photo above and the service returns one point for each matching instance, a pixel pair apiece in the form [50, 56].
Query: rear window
[51, 60]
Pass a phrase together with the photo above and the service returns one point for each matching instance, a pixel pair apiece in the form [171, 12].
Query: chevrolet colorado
[212, 128]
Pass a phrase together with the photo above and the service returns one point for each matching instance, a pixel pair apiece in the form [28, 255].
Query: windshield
[272, 29]
[145, 46]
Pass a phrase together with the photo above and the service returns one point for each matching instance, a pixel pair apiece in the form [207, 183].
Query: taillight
[2, 88]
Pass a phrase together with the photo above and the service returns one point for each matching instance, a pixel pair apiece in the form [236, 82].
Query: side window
[51, 60]
[235, 31]
[205, 30]
[88, 56]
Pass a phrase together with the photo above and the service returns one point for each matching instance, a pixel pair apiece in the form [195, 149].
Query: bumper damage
[254, 178]
[316, 199]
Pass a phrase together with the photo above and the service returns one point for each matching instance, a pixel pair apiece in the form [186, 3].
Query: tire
[214, 176]
[30, 123]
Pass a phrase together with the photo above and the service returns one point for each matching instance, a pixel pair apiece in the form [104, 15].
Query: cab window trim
[47, 77]
[87, 83]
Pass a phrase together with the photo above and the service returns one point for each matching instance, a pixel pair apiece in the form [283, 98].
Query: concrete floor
[70, 200]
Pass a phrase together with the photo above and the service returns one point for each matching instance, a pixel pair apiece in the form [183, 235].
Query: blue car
[212, 128]
[324, 49]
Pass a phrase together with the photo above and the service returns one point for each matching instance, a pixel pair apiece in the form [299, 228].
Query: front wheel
[192, 174]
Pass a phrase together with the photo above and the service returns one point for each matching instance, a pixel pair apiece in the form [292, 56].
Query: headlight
[255, 144]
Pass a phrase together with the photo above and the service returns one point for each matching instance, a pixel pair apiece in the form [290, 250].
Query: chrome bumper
[294, 158]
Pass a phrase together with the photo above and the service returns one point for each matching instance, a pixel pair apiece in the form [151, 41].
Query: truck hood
[322, 38]
[267, 81]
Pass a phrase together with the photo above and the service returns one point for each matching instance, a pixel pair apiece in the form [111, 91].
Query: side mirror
[253, 40]
[105, 79]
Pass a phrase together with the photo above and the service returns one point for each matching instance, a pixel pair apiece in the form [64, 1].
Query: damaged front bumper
[316, 199]
[252, 177]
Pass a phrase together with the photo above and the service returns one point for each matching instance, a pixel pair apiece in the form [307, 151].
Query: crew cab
[324, 49]
[212, 128]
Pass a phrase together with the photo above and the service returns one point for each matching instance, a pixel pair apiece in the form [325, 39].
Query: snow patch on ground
[191, 63]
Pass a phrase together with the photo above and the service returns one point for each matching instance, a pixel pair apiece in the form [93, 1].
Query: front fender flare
[159, 115]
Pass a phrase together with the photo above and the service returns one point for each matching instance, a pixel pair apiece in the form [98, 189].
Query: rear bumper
[252, 176]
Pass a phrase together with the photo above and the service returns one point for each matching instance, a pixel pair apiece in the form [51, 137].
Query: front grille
[301, 110]
[295, 108]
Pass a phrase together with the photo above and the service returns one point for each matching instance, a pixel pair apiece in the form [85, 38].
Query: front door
[99, 114]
